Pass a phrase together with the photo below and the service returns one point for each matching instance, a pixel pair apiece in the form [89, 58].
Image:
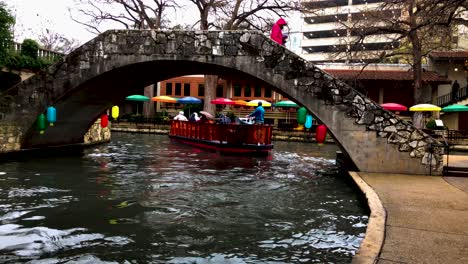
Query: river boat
[234, 138]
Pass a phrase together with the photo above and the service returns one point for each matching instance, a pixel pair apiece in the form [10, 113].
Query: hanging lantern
[301, 115]
[320, 134]
[115, 112]
[308, 122]
[301, 118]
[104, 120]
[41, 123]
[51, 115]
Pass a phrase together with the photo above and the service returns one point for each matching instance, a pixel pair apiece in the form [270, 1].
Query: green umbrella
[455, 108]
[286, 104]
[137, 98]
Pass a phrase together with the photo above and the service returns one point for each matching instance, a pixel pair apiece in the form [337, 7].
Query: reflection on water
[143, 199]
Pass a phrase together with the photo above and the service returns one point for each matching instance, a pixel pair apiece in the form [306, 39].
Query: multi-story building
[327, 36]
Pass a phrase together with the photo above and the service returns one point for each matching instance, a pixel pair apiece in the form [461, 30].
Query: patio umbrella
[137, 98]
[424, 108]
[286, 104]
[394, 107]
[164, 99]
[189, 100]
[223, 101]
[455, 108]
[255, 103]
[240, 102]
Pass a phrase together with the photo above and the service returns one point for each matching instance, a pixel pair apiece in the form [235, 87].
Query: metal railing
[448, 98]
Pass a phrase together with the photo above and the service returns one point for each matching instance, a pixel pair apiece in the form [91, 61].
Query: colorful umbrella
[424, 108]
[208, 115]
[394, 107]
[189, 100]
[164, 99]
[240, 102]
[455, 108]
[223, 101]
[255, 103]
[137, 97]
[286, 104]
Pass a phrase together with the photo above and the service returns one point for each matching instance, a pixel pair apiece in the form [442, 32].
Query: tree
[56, 42]
[233, 15]
[6, 35]
[130, 14]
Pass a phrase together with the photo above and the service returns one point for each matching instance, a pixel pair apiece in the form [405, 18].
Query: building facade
[326, 37]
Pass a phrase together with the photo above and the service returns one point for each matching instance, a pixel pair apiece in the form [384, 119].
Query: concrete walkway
[427, 218]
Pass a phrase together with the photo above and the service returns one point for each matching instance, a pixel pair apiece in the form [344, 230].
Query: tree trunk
[211, 82]
[417, 69]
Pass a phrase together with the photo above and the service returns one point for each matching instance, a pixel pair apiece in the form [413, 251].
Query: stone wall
[10, 138]
[97, 134]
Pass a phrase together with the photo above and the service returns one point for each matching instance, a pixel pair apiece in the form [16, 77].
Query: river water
[144, 199]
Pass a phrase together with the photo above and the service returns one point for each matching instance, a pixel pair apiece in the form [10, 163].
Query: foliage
[57, 42]
[6, 35]
[29, 48]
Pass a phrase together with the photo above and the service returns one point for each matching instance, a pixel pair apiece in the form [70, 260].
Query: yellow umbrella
[425, 107]
[255, 103]
[164, 99]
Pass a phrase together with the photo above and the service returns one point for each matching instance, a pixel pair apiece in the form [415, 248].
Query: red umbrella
[394, 107]
[222, 101]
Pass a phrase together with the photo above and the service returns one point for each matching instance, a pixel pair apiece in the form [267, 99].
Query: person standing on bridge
[277, 33]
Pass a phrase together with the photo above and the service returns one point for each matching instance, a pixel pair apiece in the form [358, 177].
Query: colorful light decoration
[115, 112]
[41, 123]
[321, 134]
[104, 120]
[301, 118]
[51, 115]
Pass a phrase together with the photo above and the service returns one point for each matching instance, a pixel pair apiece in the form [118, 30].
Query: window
[201, 89]
[247, 91]
[258, 91]
[168, 88]
[178, 89]
[237, 90]
[186, 89]
[219, 91]
[267, 93]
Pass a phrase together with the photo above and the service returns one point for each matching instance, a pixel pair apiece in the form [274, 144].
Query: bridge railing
[41, 53]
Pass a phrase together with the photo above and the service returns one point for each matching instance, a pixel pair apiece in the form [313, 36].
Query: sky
[34, 16]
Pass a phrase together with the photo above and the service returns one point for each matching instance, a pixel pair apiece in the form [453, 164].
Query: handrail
[229, 133]
[447, 99]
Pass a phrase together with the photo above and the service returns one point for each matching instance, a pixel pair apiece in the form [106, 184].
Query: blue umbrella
[189, 100]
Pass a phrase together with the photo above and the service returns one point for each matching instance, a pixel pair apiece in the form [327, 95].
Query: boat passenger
[181, 116]
[203, 119]
[194, 117]
[224, 119]
[258, 114]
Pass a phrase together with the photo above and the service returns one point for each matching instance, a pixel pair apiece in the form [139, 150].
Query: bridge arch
[117, 63]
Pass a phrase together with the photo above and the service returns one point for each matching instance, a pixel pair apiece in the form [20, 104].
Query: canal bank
[414, 218]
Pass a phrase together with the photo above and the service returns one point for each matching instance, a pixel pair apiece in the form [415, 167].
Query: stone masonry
[118, 63]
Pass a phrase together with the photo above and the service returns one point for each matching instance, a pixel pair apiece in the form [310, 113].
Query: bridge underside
[116, 64]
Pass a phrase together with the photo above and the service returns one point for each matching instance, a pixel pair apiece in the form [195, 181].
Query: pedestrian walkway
[426, 218]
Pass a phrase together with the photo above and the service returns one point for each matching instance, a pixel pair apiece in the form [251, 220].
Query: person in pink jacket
[276, 31]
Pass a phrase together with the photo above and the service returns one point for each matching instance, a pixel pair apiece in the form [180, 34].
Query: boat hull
[224, 147]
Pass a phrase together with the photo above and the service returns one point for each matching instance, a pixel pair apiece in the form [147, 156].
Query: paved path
[427, 218]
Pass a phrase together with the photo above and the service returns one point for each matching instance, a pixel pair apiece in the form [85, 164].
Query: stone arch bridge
[117, 63]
